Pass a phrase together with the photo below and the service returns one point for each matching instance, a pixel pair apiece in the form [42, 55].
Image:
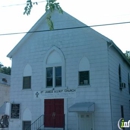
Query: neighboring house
[4, 88]
[72, 77]
[4, 100]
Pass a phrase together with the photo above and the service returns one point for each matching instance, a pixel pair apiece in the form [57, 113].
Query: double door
[85, 121]
[54, 113]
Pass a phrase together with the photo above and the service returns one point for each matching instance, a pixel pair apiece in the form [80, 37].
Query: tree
[127, 55]
[5, 70]
[51, 5]
[1, 65]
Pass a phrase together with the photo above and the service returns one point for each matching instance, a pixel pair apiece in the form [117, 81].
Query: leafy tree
[128, 58]
[51, 5]
[1, 65]
[127, 55]
[5, 70]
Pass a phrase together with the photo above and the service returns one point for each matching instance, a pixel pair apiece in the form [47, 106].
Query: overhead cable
[68, 28]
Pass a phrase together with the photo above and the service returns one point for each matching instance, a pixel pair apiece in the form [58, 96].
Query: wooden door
[59, 113]
[49, 108]
[54, 113]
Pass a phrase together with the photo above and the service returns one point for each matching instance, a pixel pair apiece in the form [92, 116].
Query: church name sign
[46, 94]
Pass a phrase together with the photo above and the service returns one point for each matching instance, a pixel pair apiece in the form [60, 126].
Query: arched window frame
[26, 118]
[84, 72]
[27, 74]
[27, 115]
[54, 65]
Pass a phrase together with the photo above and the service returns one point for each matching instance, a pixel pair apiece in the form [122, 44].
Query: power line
[22, 4]
[98, 25]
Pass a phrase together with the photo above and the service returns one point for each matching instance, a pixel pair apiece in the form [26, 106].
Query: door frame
[89, 113]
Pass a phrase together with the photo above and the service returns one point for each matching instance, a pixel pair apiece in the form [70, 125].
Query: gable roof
[111, 43]
[59, 18]
[65, 17]
[21, 42]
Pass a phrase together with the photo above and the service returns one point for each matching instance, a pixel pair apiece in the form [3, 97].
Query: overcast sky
[91, 12]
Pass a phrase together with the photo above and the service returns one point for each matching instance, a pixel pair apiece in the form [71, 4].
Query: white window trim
[27, 71]
[54, 65]
[82, 85]
[84, 69]
[53, 77]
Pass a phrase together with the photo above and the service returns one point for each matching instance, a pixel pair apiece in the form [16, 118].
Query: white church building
[70, 78]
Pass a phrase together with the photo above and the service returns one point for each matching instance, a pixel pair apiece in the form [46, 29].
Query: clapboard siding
[74, 44]
[118, 97]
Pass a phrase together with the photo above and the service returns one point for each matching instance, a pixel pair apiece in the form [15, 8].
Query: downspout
[111, 44]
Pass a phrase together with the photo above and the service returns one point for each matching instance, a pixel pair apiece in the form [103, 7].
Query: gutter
[112, 44]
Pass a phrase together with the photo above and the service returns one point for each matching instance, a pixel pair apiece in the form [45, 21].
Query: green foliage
[5, 70]
[28, 7]
[49, 22]
[1, 65]
[50, 6]
[128, 58]
[127, 55]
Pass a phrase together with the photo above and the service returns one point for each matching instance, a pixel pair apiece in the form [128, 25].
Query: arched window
[84, 72]
[27, 77]
[27, 117]
[54, 68]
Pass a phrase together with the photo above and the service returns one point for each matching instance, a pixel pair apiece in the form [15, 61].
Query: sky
[90, 12]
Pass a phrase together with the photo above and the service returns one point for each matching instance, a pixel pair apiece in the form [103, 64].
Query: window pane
[58, 77]
[83, 77]
[49, 77]
[122, 111]
[129, 83]
[49, 72]
[119, 74]
[58, 81]
[49, 82]
[15, 111]
[58, 71]
[26, 82]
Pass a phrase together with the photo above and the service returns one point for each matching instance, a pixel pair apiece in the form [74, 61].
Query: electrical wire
[98, 25]
[22, 4]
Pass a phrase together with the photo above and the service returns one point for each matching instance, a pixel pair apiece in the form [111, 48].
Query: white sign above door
[50, 94]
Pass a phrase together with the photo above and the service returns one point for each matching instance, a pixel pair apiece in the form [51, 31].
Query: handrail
[39, 122]
[36, 124]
